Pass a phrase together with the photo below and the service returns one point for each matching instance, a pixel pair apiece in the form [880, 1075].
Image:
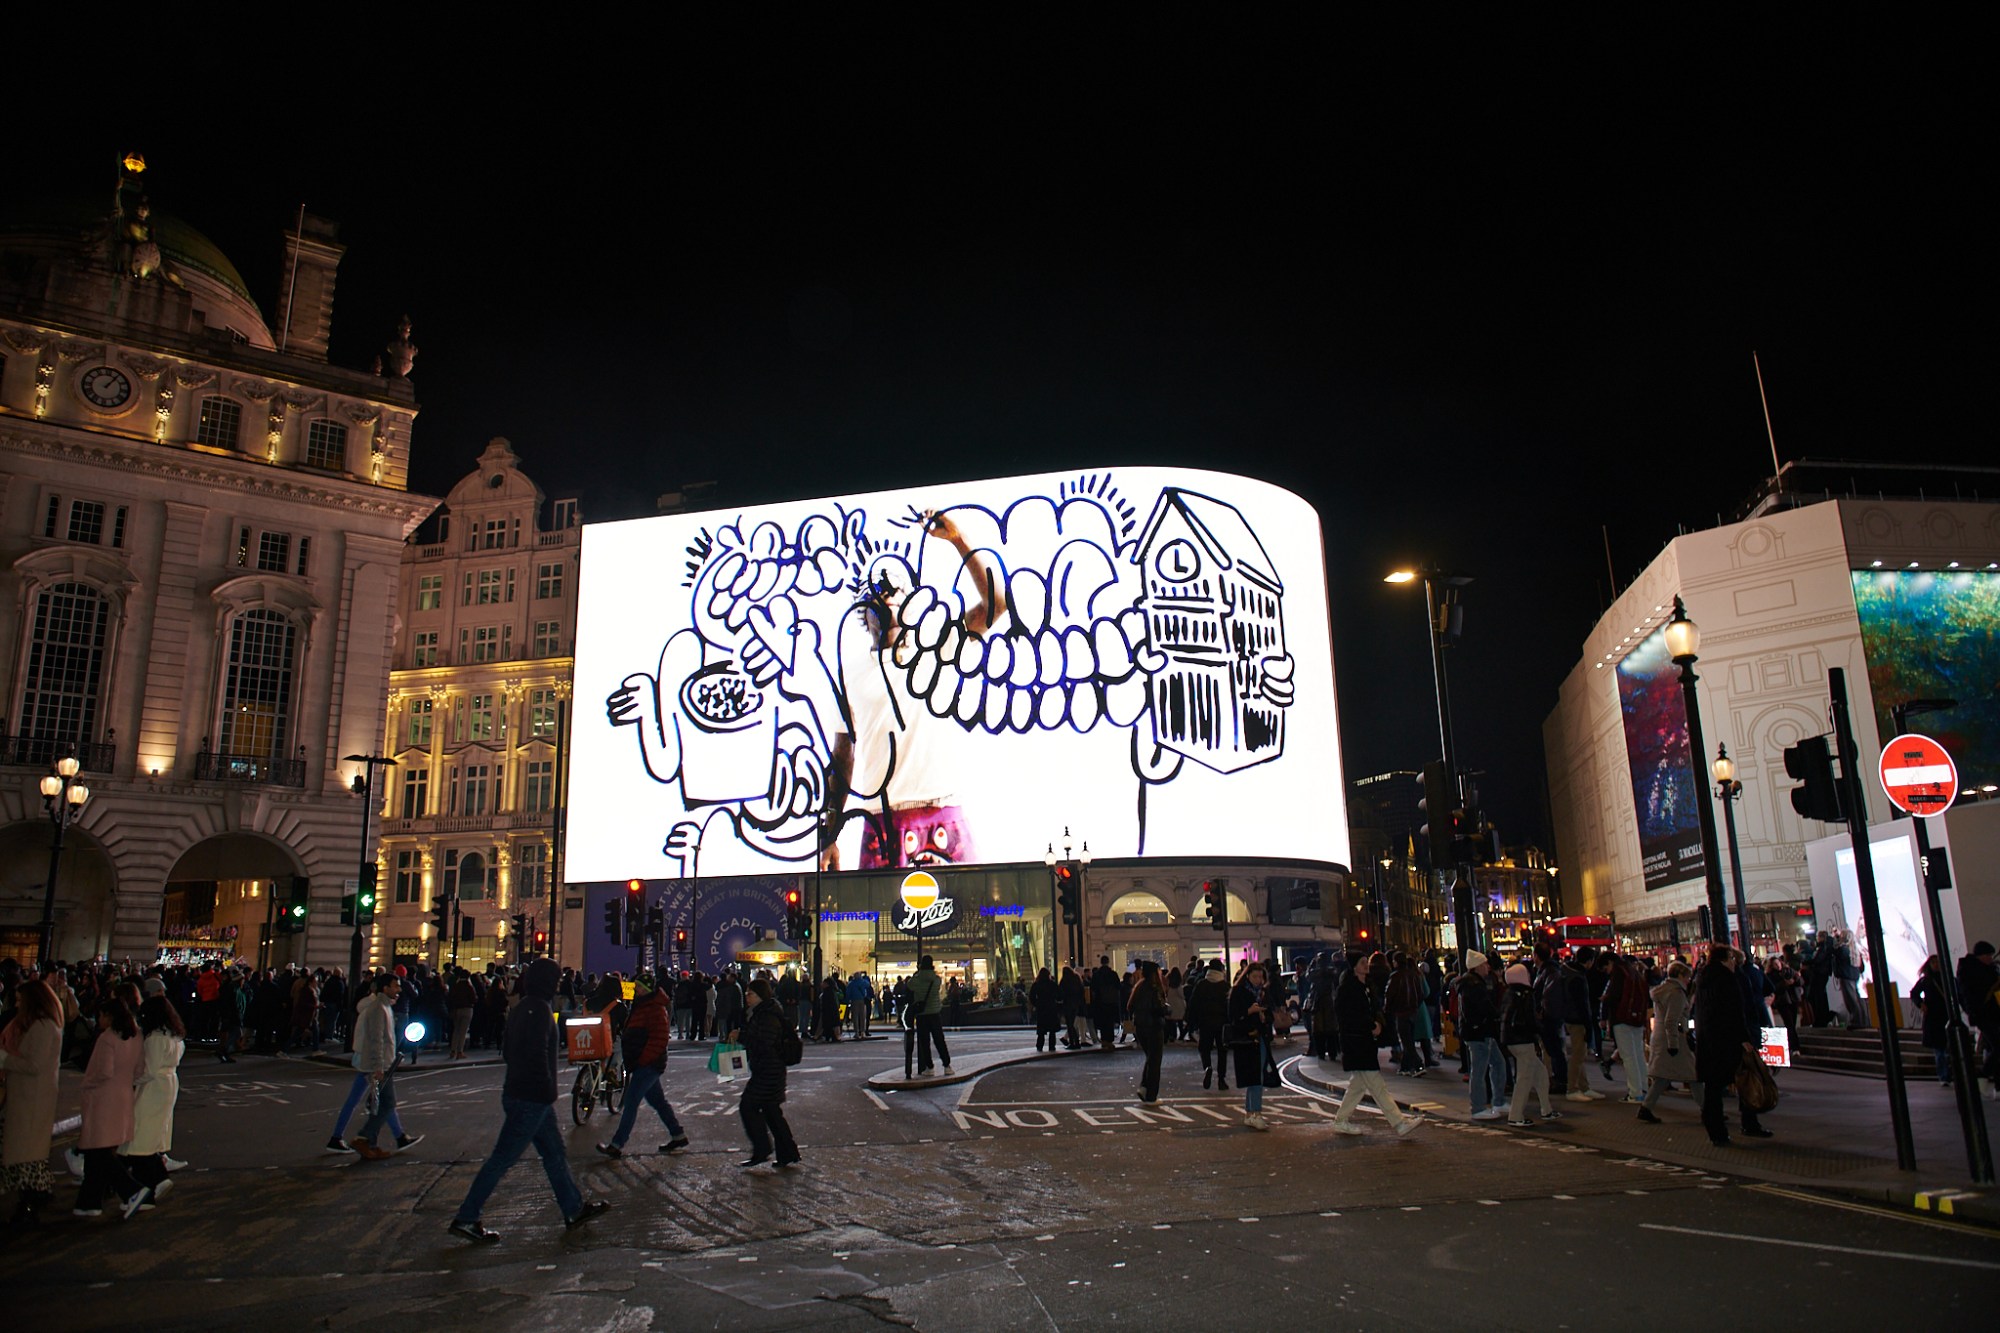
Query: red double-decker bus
[1567, 934]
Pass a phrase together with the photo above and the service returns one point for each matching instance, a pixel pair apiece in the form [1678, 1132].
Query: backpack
[790, 1047]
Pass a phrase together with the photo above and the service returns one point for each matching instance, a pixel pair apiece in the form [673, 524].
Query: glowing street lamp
[1683, 645]
[62, 797]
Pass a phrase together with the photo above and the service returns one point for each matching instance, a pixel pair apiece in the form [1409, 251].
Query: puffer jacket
[374, 1035]
[1517, 1018]
[763, 1046]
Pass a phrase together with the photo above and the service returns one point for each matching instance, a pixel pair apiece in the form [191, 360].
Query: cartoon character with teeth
[896, 752]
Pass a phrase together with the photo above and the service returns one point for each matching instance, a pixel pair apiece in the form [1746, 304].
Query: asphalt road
[1035, 1197]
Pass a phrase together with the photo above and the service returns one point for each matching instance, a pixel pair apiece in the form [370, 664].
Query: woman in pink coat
[116, 1063]
[30, 1051]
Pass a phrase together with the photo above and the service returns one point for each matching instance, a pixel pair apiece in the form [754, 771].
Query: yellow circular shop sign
[919, 891]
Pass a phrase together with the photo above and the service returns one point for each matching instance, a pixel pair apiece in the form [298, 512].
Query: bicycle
[600, 1072]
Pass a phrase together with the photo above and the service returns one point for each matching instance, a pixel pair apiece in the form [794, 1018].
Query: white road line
[1875, 1210]
[1830, 1249]
[869, 1093]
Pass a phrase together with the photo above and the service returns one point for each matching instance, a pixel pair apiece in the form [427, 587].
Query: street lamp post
[1683, 643]
[63, 797]
[1727, 790]
[363, 787]
[1442, 609]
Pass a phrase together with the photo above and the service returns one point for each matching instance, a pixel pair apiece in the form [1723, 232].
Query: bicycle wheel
[583, 1097]
[614, 1088]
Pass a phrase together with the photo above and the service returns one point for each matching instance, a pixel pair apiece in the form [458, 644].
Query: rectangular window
[118, 530]
[326, 445]
[86, 522]
[541, 715]
[490, 584]
[476, 778]
[221, 423]
[479, 717]
[424, 648]
[482, 643]
[65, 663]
[495, 535]
[416, 793]
[242, 546]
[539, 792]
[257, 689]
[305, 549]
[548, 638]
[549, 580]
[55, 512]
[409, 877]
[565, 513]
[430, 592]
[274, 551]
[531, 873]
[421, 714]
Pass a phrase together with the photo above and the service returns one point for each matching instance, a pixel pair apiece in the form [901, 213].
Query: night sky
[1475, 295]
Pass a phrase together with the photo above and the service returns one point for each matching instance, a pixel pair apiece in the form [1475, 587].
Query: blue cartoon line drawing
[847, 671]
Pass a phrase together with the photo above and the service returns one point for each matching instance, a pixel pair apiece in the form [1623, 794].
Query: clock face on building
[1177, 561]
[105, 387]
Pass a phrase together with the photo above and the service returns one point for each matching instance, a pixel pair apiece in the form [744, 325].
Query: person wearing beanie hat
[152, 986]
[1521, 1033]
[1479, 1029]
[528, 1102]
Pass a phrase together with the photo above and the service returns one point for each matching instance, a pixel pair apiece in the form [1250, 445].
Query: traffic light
[346, 909]
[680, 939]
[1217, 897]
[541, 941]
[441, 915]
[794, 916]
[520, 920]
[1364, 938]
[656, 920]
[467, 927]
[1811, 761]
[292, 916]
[1466, 821]
[1437, 808]
[635, 909]
[614, 921]
[364, 897]
[1066, 893]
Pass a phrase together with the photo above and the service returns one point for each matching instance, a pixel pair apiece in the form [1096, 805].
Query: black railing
[96, 757]
[213, 766]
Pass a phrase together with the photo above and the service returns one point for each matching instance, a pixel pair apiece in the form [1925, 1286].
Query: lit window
[430, 592]
[549, 580]
[421, 714]
[221, 423]
[424, 648]
[548, 638]
[326, 445]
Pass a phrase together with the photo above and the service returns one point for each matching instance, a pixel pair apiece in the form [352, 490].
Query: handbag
[726, 1061]
[1756, 1090]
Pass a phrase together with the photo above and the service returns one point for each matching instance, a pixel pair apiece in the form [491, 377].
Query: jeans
[1153, 1041]
[1489, 1073]
[645, 1087]
[385, 1107]
[1368, 1082]
[857, 1012]
[526, 1123]
[354, 1095]
[1631, 1039]
[1850, 1000]
[1253, 1091]
[930, 1032]
[763, 1122]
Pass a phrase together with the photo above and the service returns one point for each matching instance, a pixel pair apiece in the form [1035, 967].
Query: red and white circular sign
[1918, 775]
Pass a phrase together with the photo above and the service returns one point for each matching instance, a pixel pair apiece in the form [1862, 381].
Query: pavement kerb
[969, 1068]
[1979, 1207]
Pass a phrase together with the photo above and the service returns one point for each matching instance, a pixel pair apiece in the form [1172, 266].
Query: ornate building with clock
[202, 526]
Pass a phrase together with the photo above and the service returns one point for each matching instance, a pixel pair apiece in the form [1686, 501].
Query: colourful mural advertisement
[1664, 784]
[1936, 635]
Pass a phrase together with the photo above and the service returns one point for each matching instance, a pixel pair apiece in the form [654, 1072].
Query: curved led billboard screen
[956, 673]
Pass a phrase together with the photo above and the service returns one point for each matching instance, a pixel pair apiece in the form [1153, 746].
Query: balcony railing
[214, 766]
[96, 757]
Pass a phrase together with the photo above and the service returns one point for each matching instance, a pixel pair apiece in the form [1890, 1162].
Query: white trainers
[1490, 1113]
[1339, 1128]
[948, 1071]
[74, 1161]
[1256, 1120]
[172, 1163]
[1580, 1096]
[1409, 1123]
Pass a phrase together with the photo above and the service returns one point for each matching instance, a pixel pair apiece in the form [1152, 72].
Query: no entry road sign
[1918, 775]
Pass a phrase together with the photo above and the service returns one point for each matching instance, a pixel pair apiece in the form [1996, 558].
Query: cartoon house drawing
[1215, 608]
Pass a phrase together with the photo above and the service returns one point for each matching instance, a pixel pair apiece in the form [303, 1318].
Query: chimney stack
[305, 287]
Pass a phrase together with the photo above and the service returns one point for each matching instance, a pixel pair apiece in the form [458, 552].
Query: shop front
[985, 931]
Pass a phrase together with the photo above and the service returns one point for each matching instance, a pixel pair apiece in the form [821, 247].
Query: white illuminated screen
[1905, 932]
[1141, 657]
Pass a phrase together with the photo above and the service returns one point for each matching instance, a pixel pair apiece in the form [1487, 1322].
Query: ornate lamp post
[1683, 643]
[364, 913]
[63, 797]
[1727, 789]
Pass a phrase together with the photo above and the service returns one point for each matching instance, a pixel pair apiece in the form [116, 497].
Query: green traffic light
[367, 900]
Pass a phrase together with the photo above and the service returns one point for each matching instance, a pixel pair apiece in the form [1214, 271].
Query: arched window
[221, 423]
[257, 689]
[1140, 909]
[65, 664]
[468, 873]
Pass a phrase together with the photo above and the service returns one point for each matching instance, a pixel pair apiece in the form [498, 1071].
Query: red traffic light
[791, 897]
[635, 886]
[541, 938]
[1064, 873]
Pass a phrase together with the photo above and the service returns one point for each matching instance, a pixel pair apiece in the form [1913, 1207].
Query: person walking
[927, 1020]
[528, 1108]
[1361, 1057]
[375, 1059]
[1847, 976]
[648, 1031]
[1723, 1030]
[1624, 1009]
[1670, 1059]
[1521, 1034]
[1250, 1042]
[1070, 991]
[765, 1035]
[1928, 996]
[1208, 1015]
[1045, 999]
[1149, 1024]
[1479, 1034]
[30, 1056]
[1573, 976]
[163, 1036]
[1979, 998]
[461, 999]
[861, 1002]
[115, 1065]
[1105, 995]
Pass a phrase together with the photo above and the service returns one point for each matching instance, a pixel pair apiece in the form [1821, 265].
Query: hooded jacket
[529, 1043]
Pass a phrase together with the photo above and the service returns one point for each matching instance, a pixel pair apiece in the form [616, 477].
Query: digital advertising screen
[1665, 787]
[957, 674]
[1935, 634]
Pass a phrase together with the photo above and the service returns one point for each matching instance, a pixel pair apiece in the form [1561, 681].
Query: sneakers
[1490, 1113]
[1580, 1096]
[1522, 1124]
[1207, 1077]
[1256, 1120]
[138, 1203]
[948, 1071]
[593, 1209]
[172, 1164]
[1548, 1114]
[1646, 1116]
[1351, 1130]
[74, 1161]
[675, 1144]
[159, 1191]
[1756, 1132]
[335, 1145]
[369, 1152]
[408, 1141]
[475, 1233]
[1630, 1100]
[1592, 1095]
[86, 1212]
[612, 1150]
[1409, 1123]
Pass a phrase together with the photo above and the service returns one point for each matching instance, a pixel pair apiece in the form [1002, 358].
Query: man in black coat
[1105, 997]
[1724, 1034]
[528, 1100]
[766, 1031]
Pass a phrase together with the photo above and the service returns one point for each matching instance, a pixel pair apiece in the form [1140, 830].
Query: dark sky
[1475, 294]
